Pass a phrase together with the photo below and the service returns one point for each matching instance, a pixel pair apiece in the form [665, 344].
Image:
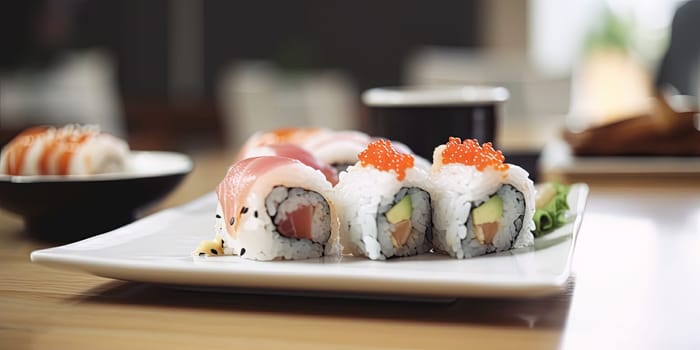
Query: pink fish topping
[302, 155]
[235, 188]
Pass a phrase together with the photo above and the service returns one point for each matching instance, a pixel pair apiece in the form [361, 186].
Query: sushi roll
[481, 204]
[70, 150]
[384, 205]
[339, 148]
[336, 148]
[273, 208]
[295, 152]
[293, 136]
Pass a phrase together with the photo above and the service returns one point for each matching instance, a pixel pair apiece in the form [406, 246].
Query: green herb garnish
[551, 215]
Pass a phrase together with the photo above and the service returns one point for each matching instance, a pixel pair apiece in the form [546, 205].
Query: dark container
[60, 209]
[424, 117]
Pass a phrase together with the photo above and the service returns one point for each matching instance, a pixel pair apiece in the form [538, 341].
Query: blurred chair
[257, 95]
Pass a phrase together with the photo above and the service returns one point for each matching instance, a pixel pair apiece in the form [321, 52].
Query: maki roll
[295, 152]
[337, 148]
[481, 204]
[384, 205]
[293, 136]
[340, 149]
[273, 208]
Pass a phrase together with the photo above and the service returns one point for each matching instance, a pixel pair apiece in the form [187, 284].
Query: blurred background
[196, 75]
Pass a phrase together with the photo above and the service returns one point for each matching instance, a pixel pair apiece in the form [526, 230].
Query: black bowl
[423, 117]
[70, 208]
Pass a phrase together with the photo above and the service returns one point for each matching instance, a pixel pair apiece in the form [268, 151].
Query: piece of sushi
[338, 148]
[293, 136]
[70, 150]
[272, 208]
[295, 152]
[383, 204]
[481, 205]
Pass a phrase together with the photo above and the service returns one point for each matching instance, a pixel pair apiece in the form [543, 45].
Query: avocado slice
[489, 211]
[400, 211]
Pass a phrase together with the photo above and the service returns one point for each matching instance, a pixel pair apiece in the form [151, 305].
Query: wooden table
[635, 285]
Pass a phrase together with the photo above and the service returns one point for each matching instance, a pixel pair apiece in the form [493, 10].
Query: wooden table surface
[635, 284]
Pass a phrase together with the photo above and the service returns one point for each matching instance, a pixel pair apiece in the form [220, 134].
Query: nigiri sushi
[70, 150]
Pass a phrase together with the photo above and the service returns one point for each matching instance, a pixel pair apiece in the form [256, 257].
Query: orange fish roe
[382, 156]
[470, 153]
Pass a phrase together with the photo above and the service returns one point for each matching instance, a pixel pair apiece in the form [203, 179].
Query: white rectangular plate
[158, 249]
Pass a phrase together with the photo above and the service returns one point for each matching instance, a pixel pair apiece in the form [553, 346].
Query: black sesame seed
[232, 221]
[242, 251]
[222, 242]
[213, 251]
[244, 210]
[255, 214]
[218, 216]
[202, 254]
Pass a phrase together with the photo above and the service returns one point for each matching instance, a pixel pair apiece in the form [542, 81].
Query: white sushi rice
[365, 192]
[457, 188]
